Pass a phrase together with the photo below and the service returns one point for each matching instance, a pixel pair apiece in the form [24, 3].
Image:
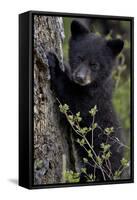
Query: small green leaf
[99, 160]
[105, 147]
[70, 117]
[108, 154]
[77, 117]
[78, 140]
[83, 170]
[83, 130]
[85, 160]
[78, 114]
[91, 176]
[124, 162]
[63, 108]
[90, 155]
[93, 111]
[117, 174]
[108, 131]
[82, 142]
[94, 126]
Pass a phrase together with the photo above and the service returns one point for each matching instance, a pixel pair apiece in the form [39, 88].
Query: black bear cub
[86, 82]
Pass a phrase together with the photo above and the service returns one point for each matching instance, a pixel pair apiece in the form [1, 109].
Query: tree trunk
[50, 144]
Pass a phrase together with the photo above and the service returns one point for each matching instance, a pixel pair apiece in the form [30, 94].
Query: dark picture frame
[26, 99]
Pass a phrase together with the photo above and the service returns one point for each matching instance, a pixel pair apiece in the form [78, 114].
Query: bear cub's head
[91, 57]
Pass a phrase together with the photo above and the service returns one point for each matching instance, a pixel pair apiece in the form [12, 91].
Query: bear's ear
[115, 45]
[78, 29]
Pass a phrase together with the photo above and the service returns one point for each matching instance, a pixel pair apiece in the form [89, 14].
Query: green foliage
[85, 160]
[90, 177]
[64, 108]
[100, 161]
[105, 147]
[106, 156]
[81, 142]
[121, 100]
[90, 155]
[71, 177]
[108, 131]
[124, 162]
[117, 175]
[93, 111]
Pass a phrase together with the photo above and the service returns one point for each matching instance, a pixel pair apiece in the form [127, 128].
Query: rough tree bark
[50, 140]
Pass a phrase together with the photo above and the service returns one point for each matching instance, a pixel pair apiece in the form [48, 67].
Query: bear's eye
[80, 58]
[95, 66]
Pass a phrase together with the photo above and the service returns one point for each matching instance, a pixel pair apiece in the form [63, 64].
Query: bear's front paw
[54, 65]
[52, 59]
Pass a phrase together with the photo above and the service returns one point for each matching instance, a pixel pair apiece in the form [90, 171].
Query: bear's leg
[54, 65]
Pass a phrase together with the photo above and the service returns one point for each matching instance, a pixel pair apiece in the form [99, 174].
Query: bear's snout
[82, 76]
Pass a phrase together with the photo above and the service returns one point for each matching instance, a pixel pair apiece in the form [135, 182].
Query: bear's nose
[80, 77]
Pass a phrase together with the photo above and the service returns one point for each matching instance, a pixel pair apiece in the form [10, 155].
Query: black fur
[87, 82]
